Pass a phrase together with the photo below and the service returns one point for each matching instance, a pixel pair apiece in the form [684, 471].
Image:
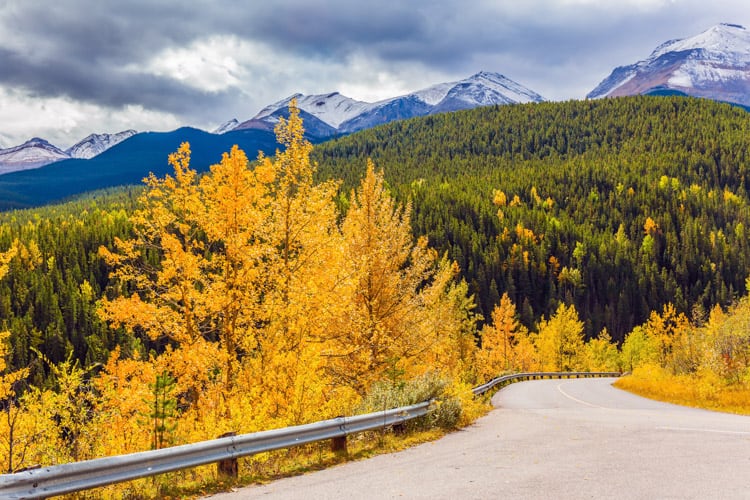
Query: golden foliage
[273, 309]
[500, 341]
[559, 341]
[706, 366]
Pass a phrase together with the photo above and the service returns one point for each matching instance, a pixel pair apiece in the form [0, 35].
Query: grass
[699, 390]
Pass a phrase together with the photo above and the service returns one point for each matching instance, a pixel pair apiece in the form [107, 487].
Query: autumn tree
[601, 353]
[666, 329]
[124, 394]
[196, 261]
[559, 341]
[450, 326]
[393, 279]
[9, 398]
[246, 258]
[303, 277]
[9, 381]
[498, 352]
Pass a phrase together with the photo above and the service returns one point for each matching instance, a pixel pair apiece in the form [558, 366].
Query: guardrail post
[338, 445]
[230, 466]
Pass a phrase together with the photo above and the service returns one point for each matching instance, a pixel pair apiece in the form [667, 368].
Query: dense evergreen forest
[48, 297]
[616, 206]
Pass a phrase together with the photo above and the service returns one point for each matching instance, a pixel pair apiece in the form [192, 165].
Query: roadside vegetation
[703, 363]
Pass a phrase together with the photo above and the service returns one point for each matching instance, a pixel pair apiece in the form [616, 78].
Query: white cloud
[64, 122]
[264, 73]
[209, 64]
[371, 80]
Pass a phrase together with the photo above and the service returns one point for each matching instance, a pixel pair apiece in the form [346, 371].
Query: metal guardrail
[514, 377]
[78, 476]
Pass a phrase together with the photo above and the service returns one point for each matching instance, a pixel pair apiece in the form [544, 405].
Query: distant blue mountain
[400, 108]
[125, 163]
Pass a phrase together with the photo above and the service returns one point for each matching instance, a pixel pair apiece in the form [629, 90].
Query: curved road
[577, 438]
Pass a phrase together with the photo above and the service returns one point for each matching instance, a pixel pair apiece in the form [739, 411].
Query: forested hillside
[617, 206]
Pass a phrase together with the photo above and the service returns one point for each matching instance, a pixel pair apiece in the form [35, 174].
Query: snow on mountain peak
[475, 90]
[347, 115]
[725, 39]
[714, 64]
[226, 127]
[332, 108]
[33, 153]
[38, 152]
[96, 144]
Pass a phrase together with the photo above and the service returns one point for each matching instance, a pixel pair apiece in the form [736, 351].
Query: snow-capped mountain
[333, 109]
[227, 126]
[38, 152]
[33, 153]
[485, 89]
[325, 115]
[714, 64]
[95, 144]
[335, 113]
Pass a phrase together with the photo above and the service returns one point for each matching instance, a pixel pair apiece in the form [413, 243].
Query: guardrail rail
[515, 377]
[78, 476]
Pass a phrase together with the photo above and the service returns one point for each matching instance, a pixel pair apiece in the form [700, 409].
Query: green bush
[446, 410]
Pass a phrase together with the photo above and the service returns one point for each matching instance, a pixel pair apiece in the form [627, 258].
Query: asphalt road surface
[577, 438]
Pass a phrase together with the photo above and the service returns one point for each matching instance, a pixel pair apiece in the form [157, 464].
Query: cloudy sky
[74, 67]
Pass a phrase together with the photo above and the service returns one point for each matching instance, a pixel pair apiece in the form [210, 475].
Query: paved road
[578, 438]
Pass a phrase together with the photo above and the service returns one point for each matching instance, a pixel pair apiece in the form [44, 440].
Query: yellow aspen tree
[6, 257]
[304, 272]
[665, 329]
[197, 260]
[601, 353]
[638, 349]
[498, 354]
[384, 329]
[235, 221]
[72, 397]
[9, 379]
[450, 326]
[164, 262]
[727, 343]
[12, 439]
[123, 386]
[559, 342]
[525, 357]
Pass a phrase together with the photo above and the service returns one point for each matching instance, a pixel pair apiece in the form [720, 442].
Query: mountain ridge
[325, 116]
[38, 152]
[346, 115]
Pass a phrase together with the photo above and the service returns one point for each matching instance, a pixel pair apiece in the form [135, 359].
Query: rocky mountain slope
[714, 64]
